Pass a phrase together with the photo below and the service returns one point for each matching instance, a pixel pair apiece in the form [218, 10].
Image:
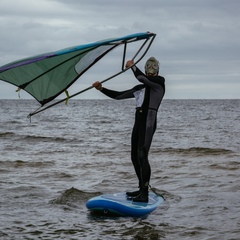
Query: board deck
[119, 204]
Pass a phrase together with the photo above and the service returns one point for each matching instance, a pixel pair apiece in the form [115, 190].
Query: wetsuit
[148, 96]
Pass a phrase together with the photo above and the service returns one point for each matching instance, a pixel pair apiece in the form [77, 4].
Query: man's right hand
[129, 63]
[97, 85]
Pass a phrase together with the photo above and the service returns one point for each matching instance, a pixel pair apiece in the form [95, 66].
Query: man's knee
[142, 153]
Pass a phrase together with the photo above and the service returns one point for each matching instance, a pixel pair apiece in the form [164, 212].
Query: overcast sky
[197, 42]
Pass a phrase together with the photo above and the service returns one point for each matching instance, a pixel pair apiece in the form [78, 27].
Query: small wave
[167, 195]
[6, 134]
[43, 138]
[231, 166]
[35, 138]
[23, 164]
[196, 151]
[73, 197]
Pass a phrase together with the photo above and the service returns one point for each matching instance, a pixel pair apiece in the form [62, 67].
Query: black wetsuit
[148, 95]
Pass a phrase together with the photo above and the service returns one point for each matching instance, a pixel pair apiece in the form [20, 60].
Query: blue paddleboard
[119, 204]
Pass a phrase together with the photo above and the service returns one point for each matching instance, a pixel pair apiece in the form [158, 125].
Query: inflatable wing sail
[48, 75]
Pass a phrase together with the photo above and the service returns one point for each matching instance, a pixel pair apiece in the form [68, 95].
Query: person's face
[151, 68]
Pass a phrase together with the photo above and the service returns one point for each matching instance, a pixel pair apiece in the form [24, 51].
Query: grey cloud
[197, 41]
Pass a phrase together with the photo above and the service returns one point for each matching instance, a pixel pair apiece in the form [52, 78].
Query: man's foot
[142, 197]
[133, 194]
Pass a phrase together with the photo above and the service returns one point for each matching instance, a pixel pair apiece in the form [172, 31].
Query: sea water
[50, 166]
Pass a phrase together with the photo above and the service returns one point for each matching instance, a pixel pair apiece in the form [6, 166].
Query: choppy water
[51, 166]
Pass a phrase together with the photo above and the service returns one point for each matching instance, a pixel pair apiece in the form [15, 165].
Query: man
[148, 95]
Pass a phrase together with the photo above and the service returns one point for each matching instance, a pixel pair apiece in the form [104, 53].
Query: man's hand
[97, 85]
[129, 63]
